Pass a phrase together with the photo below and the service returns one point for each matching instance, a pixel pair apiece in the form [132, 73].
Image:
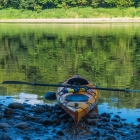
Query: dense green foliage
[87, 12]
[47, 4]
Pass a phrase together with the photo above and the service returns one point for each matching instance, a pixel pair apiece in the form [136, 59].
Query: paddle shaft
[69, 86]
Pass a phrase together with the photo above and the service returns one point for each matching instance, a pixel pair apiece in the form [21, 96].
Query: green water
[106, 54]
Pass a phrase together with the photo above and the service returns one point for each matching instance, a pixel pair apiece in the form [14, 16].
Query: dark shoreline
[44, 122]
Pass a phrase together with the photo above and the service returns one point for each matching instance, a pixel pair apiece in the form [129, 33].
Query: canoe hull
[78, 109]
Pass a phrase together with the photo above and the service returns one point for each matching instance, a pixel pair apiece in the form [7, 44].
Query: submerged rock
[138, 119]
[50, 95]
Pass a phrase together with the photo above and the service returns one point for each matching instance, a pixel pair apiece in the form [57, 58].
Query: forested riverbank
[16, 9]
[59, 13]
[48, 4]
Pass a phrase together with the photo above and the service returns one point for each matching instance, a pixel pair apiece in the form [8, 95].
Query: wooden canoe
[77, 101]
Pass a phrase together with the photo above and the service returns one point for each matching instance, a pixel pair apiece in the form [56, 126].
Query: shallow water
[106, 54]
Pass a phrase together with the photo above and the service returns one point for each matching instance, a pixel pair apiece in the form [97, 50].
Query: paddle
[69, 86]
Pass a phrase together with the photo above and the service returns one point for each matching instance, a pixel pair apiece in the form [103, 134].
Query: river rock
[16, 105]
[53, 116]
[1, 115]
[115, 124]
[48, 114]
[115, 119]
[110, 138]
[59, 132]
[94, 116]
[58, 107]
[138, 119]
[56, 121]
[26, 138]
[117, 116]
[8, 111]
[45, 121]
[4, 136]
[62, 116]
[106, 115]
[22, 125]
[92, 121]
[32, 118]
[50, 95]
[105, 119]
[4, 125]
[58, 112]
[39, 109]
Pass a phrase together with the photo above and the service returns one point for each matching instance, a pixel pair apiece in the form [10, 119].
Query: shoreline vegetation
[72, 15]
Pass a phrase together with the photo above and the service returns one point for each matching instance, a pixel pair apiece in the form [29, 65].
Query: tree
[15, 3]
[124, 3]
[27, 4]
[111, 3]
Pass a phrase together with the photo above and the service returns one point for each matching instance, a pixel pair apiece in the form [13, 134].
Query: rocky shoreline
[44, 122]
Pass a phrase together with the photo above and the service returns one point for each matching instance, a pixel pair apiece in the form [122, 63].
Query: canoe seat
[77, 98]
[78, 81]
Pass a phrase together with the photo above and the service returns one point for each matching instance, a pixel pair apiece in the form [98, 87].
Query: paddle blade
[14, 82]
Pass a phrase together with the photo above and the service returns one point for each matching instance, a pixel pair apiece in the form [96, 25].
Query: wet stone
[32, 118]
[106, 115]
[22, 125]
[8, 111]
[56, 121]
[123, 119]
[138, 119]
[105, 119]
[58, 112]
[53, 116]
[4, 125]
[5, 137]
[1, 115]
[26, 138]
[115, 124]
[111, 138]
[16, 105]
[117, 116]
[59, 132]
[39, 109]
[46, 121]
[48, 114]
[94, 116]
[92, 121]
[115, 119]
[62, 116]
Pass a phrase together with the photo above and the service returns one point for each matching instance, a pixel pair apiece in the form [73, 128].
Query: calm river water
[106, 54]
